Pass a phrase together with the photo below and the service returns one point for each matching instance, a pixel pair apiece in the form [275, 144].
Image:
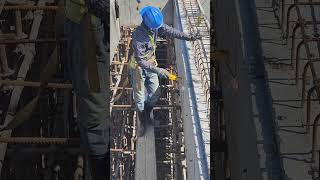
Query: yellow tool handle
[173, 77]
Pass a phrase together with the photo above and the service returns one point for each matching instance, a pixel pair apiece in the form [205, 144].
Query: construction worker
[143, 65]
[93, 106]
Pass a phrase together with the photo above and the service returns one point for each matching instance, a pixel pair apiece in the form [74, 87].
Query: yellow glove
[173, 77]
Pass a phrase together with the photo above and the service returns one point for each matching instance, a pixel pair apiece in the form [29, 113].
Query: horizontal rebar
[129, 88]
[30, 7]
[8, 36]
[132, 107]
[41, 150]
[23, 41]
[34, 84]
[38, 140]
[126, 151]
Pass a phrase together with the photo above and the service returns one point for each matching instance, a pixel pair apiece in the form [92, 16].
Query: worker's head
[152, 17]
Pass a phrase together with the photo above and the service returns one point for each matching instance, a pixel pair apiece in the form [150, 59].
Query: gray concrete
[246, 110]
[189, 142]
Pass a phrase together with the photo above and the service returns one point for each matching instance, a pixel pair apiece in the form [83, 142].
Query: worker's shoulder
[139, 34]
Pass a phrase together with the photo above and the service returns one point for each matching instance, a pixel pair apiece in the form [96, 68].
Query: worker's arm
[166, 30]
[140, 44]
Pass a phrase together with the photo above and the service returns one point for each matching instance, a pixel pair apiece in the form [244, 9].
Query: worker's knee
[95, 138]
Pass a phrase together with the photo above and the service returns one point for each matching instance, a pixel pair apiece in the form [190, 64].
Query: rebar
[37, 140]
[30, 8]
[31, 41]
[34, 84]
[314, 137]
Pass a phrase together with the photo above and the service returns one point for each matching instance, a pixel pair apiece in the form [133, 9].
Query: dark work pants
[93, 115]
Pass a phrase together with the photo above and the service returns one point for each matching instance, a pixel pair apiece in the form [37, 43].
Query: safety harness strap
[133, 64]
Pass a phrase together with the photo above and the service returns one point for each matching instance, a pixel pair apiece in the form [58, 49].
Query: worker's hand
[163, 73]
[195, 37]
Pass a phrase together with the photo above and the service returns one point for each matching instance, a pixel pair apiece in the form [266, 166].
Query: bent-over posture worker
[143, 64]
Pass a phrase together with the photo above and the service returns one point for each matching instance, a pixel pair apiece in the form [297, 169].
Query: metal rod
[132, 107]
[129, 88]
[304, 42]
[127, 151]
[38, 140]
[30, 7]
[296, 4]
[308, 106]
[34, 84]
[293, 42]
[7, 36]
[24, 41]
[314, 137]
[43, 150]
[308, 64]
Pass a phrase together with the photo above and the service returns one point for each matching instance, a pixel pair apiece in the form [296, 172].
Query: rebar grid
[308, 23]
[39, 138]
[197, 24]
[124, 117]
[122, 124]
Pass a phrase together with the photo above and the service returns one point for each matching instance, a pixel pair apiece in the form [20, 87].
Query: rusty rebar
[200, 51]
[38, 140]
[310, 91]
[293, 42]
[132, 107]
[304, 42]
[304, 75]
[7, 36]
[298, 25]
[314, 137]
[288, 19]
[282, 15]
[24, 41]
[30, 8]
[34, 84]
[296, 4]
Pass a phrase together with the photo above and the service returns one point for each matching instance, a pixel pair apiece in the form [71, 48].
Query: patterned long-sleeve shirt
[143, 47]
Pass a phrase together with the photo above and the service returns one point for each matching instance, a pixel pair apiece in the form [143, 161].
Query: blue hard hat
[152, 17]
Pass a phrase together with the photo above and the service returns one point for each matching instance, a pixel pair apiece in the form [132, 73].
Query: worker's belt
[133, 63]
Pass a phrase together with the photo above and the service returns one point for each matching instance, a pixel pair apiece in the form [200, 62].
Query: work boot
[100, 168]
[150, 117]
[141, 123]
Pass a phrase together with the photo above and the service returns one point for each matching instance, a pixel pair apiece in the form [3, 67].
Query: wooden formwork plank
[146, 167]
